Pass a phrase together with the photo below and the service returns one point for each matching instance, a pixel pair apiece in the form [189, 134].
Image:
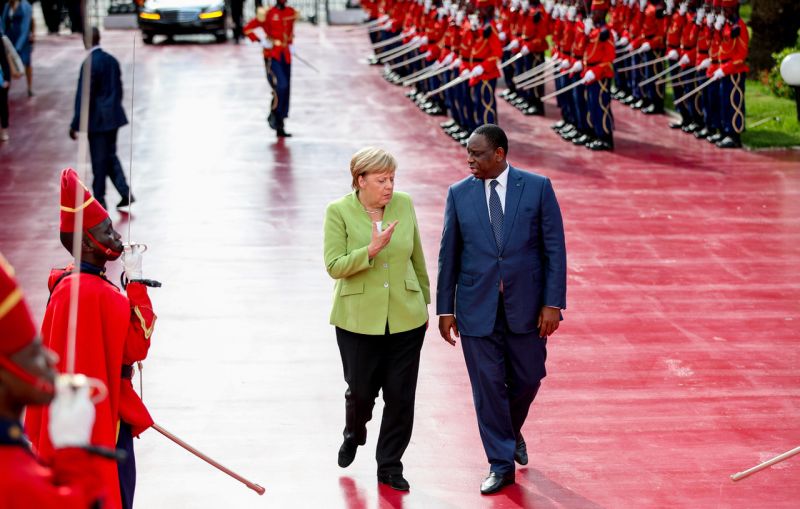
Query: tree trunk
[774, 24]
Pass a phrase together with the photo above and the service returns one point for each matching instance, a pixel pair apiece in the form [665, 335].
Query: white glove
[502, 36]
[624, 41]
[448, 59]
[524, 51]
[512, 45]
[629, 47]
[588, 25]
[683, 8]
[457, 62]
[672, 55]
[705, 64]
[387, 25]
[423, 40]
[564, 64]
[548, 6]
[464, 73]
[427, 54]
[132, 262]
[576, 67]
[684, 60]
[645, 47]
[476, 71]
[589, 76]
[718, 75]
[719, 23]
[71, 415]
[383, 18]
[415, 39]
[699, 16]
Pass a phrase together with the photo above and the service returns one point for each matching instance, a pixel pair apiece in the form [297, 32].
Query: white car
[178, 17]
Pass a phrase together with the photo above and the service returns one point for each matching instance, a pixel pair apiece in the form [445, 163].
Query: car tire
[221, 36]
[147, 38]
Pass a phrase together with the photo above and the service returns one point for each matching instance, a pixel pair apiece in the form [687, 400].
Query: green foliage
[773, 77]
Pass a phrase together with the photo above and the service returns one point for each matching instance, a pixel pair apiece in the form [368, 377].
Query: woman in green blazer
[380, 307]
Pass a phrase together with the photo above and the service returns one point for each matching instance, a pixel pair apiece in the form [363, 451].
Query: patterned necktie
[496, 213]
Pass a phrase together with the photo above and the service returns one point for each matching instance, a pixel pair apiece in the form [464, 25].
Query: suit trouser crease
[505, 370]
[390, 363]
[105, 164]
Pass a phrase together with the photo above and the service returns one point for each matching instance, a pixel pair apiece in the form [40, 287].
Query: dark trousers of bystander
[3, 108]
[127, 467]
[389, 362]
[105, 164]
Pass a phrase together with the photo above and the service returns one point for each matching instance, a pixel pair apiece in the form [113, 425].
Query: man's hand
[549, 319]
[132, 262]
[380, 239]
[73, 134]
[446, 324]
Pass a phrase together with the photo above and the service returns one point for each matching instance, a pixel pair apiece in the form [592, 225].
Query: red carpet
[677, 364]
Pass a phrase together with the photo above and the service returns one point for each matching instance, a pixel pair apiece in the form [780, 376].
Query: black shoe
[639, 104]
[702, 133]
[690, 128]
[511, 97]
[395, 481]
[569, 135]
[566, 128]
[521, 453]
[495, 482]
[729, 142]
[600, 145]
[449, 123]
[558, 125]
[714, 138]
[651, 109]
[283, 134]
[347, 453]
[124, 202]
[534, 110]
[583, 139]
[628, 99]
[676, 125]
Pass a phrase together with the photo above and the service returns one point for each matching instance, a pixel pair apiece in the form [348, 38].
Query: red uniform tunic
[71, 483]
[434, 31]
[483, 47]
[600, 53]
[279, 27]
[113, 330]
[677, 23]
[733, 48]
[533, 29]
[579, 42]
[689, 36]
[713, 50]
[654, 28]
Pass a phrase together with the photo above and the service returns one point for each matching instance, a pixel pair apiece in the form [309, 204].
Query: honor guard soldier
[704, 21]
[677, 23]
[481, 62]
[652, 37]
[274, 29]
[731, 73]
[691, 113]
[713, 99]
[113, 332]
[598, 74]
[27, 379]
[580, 135]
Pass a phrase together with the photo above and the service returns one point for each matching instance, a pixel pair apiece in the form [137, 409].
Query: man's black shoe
[729, 142]
[702, 133]
[651, 109]
[676, 125]
[521, 452]
[347, 453]
[600, 145]
[690, 128]
[558, 125]
[714, 138]
[495, 482]
[283, 134]
[124, 202]
[395, 481]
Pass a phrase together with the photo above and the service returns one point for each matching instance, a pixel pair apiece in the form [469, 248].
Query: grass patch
[761, 104]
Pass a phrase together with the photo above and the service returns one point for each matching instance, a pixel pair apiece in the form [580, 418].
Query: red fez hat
[600, 5]
[730, 3]
[93, 212]
[484, 3]
[16, 325]
[717, 4]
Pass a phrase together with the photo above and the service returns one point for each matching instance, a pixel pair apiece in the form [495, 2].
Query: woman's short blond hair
[371, 160]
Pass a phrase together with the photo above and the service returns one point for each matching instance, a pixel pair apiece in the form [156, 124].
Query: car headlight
[149, 15]
[213, 12]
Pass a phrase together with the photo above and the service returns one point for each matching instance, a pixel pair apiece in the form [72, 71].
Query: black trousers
[105, 164]
[237, 8]
[127, 468]
[390, 363]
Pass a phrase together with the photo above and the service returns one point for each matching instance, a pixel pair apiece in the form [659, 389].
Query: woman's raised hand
[380, 239]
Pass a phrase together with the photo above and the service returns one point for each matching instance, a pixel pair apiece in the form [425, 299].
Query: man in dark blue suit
[105, 117]
[502, 283]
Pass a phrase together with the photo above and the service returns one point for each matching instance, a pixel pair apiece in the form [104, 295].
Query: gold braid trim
[147, 332]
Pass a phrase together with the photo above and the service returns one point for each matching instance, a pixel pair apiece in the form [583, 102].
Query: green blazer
[393, 286]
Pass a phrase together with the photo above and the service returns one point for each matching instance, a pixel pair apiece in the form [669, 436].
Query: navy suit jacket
[532, 261]
[105, 95]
